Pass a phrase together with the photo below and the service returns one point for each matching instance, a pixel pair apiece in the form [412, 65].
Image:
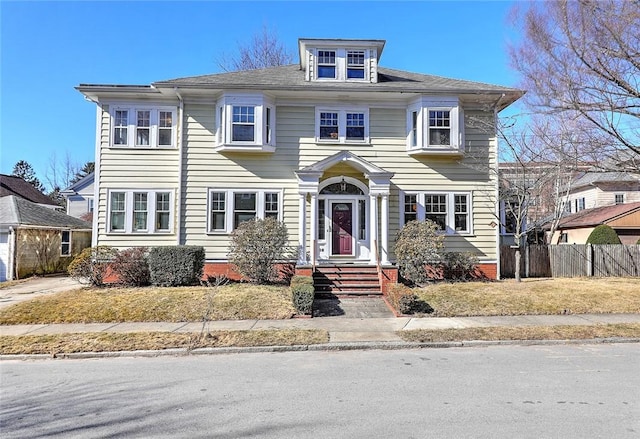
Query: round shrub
[418, 245]
[255, 248]
[603, 234]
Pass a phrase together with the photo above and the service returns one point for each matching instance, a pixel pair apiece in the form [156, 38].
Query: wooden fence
[571, 260]
[534, 261]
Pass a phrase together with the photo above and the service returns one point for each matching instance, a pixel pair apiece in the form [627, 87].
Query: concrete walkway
[341, 329]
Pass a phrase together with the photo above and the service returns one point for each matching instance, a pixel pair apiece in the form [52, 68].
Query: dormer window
[327, 64]
[435, 126]
[245, 123]
[340, 60]
[355, 64]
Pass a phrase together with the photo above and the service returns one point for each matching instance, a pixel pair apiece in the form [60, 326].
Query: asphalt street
[563, 391]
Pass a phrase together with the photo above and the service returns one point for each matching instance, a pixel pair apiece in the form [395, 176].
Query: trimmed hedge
[173, 266]
[302, 293]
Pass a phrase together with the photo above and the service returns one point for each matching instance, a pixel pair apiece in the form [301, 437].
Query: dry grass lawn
[631, 330]
[153, 304]
[110, 342]
[533, 297]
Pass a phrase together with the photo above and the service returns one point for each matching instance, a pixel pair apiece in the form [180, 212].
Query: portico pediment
[379, 178]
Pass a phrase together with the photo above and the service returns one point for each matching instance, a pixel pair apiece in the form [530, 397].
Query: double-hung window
[143, 127]
[450, 211]
[243, 124]
[619, 198]
[228, 208]
[140, 211]
[65, 243]
[580, 204]
[342, 125]
[327, 64]
[355, 64]
[440, 127]
[328, 125]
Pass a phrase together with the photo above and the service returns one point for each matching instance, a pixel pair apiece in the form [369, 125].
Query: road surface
[575, 391]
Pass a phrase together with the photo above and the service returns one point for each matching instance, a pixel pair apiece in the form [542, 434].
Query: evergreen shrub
[172, 266]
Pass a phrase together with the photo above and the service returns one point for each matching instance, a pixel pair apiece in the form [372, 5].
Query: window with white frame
[619, 198]
[355, 64]
[327, 64]
[228, 208]
[65, 243]
[450, 211]
[245, 122]
[90, 204]
[140, 211]
[243, 125]
[435, 126]
[342, 125]
[143, 127]
[579, 204]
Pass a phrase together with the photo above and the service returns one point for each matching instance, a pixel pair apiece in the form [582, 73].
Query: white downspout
[497, 188]
[96, 177]
[180, 167]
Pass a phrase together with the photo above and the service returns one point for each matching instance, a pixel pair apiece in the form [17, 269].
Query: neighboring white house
[342, 150]
[599, 189]
[80, 197]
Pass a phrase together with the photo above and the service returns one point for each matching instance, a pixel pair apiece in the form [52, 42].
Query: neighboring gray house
[80, 197]
[36, 239]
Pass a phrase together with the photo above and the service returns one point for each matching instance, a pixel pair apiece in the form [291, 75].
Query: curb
[347, 346]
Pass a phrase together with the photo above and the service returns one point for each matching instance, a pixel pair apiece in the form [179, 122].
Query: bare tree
[264, 50]
[580, 62]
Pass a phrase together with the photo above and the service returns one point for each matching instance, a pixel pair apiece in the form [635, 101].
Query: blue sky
[48, 48]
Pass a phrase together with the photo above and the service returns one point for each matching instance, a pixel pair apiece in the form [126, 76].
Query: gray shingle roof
[16, 211]
[590, 178]
[290, 77]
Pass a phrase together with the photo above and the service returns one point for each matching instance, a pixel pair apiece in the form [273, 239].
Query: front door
[342, 229]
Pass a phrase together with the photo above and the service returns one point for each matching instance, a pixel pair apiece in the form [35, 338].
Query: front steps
[347, 280]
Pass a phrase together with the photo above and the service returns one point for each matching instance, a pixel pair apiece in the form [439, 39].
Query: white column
[384, 238]
[314, 228]
[302, 229]
[373, 226]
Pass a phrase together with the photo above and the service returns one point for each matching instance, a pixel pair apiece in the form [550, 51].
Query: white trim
[342, 112]
[230, 208]
[224, 123]
[132, 109]
[422, 106]
[340, 64]
[62, 242]
[450, 206]
[151, 211]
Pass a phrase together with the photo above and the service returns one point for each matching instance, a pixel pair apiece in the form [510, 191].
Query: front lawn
[533, 297]
[154, 304]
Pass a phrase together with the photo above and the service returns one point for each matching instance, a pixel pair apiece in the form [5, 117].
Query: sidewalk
[341, 329]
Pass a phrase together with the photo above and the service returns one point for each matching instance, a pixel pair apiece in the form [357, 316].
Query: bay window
[450, 211]
[146, 127]
[435, 126]
[245, 123]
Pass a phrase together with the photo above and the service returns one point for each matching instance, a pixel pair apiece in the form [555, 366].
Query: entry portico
[343, 222]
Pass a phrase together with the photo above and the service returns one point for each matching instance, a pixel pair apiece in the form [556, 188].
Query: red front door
[341, 239]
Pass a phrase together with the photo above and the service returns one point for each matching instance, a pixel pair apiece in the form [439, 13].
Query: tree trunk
[518, 258]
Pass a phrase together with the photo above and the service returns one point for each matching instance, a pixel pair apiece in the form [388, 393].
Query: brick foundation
[388, 277]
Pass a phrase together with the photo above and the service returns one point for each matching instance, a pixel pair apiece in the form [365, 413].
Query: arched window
[341, 188]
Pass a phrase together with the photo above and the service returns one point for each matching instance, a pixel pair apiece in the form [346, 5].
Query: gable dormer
[339, 60]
